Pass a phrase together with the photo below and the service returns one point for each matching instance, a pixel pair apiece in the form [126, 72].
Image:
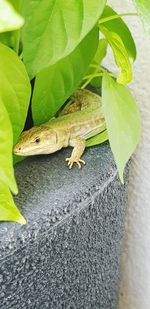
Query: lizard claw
[71, 161]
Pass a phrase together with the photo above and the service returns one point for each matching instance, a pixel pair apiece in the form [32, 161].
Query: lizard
[81, 119]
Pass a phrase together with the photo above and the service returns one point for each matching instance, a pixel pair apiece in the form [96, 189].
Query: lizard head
[35, 141]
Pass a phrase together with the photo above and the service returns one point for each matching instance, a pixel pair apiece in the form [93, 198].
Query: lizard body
[81, 119]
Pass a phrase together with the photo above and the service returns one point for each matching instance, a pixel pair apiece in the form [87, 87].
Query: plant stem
[93, 75]
[90, 78]
[92, 65]
[104, 20]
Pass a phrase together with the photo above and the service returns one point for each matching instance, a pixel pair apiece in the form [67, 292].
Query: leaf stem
[92, 65]
[95, 74]
[104, 20]
[90, 78]
[92, 75]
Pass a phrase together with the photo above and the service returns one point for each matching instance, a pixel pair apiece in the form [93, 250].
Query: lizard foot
[70, 161]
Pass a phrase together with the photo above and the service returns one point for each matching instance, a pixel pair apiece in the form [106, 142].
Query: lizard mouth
[23, 153]
[19, 151]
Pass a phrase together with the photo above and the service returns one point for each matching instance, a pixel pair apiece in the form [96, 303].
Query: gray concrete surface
[68, 254]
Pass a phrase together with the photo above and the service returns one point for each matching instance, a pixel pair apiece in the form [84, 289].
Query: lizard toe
[70, 161]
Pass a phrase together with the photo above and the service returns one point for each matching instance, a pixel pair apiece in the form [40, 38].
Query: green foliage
[11, 38]
[14, 100]
[98, 58]
[119, 27]
[97, 139]
[101, 52]
[8, 209]
[120, 55]
[9, 18]
[49, 96]
[15, 88]
[6, 143]
[143, 7]
[122, 120]
[55, 27]
[59, 45]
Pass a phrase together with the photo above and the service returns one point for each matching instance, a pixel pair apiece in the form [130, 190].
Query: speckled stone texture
[67, 256]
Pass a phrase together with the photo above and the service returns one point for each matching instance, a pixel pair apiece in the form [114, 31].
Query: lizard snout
[16, 150]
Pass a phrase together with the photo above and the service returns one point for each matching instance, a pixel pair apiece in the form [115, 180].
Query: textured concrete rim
[27, 173]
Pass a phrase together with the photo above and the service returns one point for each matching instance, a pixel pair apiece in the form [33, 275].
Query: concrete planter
[67, 256]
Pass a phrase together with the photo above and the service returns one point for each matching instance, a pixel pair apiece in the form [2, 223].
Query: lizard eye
[37, 140]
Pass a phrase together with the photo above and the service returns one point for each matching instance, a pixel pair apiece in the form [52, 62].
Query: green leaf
[6, 143]
[15, 88]
[55, 84]
[8, 38]
[8, 209]
[17, 159]
[97, 139]
[101, 52]
[54, 28]
[11, 38]
[143, 8]
[119, 27]
[98, 58]
[120, 55]
[14, 92]
[9, 18]
[122, 121]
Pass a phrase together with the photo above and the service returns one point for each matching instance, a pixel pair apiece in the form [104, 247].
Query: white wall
[135, 283]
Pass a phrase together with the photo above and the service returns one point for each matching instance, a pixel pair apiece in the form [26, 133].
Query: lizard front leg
[79, 145]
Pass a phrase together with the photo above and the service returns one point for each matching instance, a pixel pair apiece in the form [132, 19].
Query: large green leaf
[122, 121]
[6, 143]
[118, 26]
[8, 210]
[9, 18]
[120, 55]
[143, 7]
[97, 139]
[15, 88]
[55, 84]
[14, 95]
[54, 28]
